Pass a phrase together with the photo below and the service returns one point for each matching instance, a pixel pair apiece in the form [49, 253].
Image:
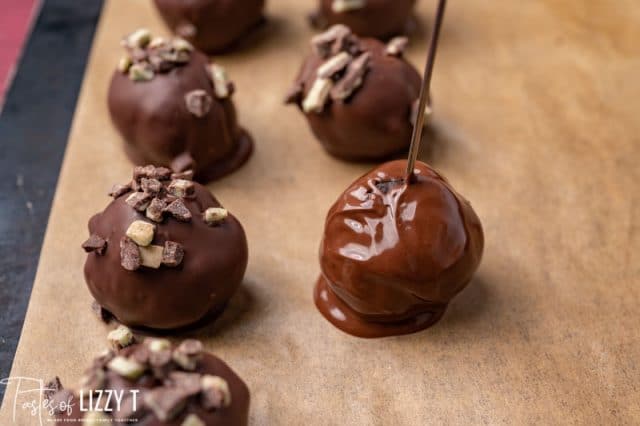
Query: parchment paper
[536, 122]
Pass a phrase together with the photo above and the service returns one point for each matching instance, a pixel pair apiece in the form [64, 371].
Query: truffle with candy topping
[368, 18]
[394, 255]
[154, 383]
[174, 109]
[164, 254]
[357, 94]
[212, 26]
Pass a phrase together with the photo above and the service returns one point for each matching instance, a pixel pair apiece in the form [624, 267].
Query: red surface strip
[15, 24]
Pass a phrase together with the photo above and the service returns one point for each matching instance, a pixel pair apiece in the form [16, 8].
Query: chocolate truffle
[164, 253]
[358, 95]
[369, 18]
[393, 255]
[211, 25]
[154, 383]
[173, 109]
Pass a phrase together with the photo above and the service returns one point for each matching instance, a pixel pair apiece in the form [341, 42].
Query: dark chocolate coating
[375, 122]
[215, 260]
[378, 18]
[218, 23]
[236, 414]
[394, 255]
[156, 126]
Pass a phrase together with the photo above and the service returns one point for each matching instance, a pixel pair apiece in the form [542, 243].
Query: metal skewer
[425, 93]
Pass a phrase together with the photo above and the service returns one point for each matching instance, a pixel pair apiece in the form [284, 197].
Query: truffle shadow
[269, 28]
[213, 324]
[241, 306]
[470, 306]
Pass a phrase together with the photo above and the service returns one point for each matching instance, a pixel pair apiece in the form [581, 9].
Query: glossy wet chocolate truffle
[393, 255]
[164, 253]
[154, 383]
[358, 95]
[368, 18]
[174, 109]
[211, 25]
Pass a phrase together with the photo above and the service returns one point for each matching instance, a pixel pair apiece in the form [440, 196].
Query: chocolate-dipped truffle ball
[154, 383]
[368, 18]
[164, 253]
[393, 255]
[358, 95]
[211, 25]
[173, 109]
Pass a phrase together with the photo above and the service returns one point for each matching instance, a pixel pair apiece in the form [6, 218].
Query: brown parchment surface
[536, 122]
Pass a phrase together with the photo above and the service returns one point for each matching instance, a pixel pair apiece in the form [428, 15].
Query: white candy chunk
[125, 367]
[187, 362]
[124, 64]
[181, 187]
[220, 81]
[141, 232]
[95, 418]
[139, 38]
[340, 6]
[219, 384]
[396, 46]
[182, 44]
[214, 215]
[121, 337]
[193, 420]
[317, 96]
[158, 345]
[151, 256]
[334, 65]
[138, 72]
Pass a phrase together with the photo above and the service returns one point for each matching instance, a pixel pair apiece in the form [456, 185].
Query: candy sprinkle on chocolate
[95, 418]
[156, 209]
[162, 173]
[118, 190]
[141, 232]
[188, 354]
[334, 65]
[95, 244]
[221, 83]
[193, 420]
[178, 210]
[120, 338]
[215, 215]
[352, 79]
[172, 254]
[181, 188]
[129, 254]
[189, 383]
[151, 186]
[139, 200]
[185, 175]
[147, 55]
[126, 368]
[198, 102]
[215, 392]
[317, 96]
[396, 46]
[166, 403]
[151, 256]
[323, 43]
[341, 6]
